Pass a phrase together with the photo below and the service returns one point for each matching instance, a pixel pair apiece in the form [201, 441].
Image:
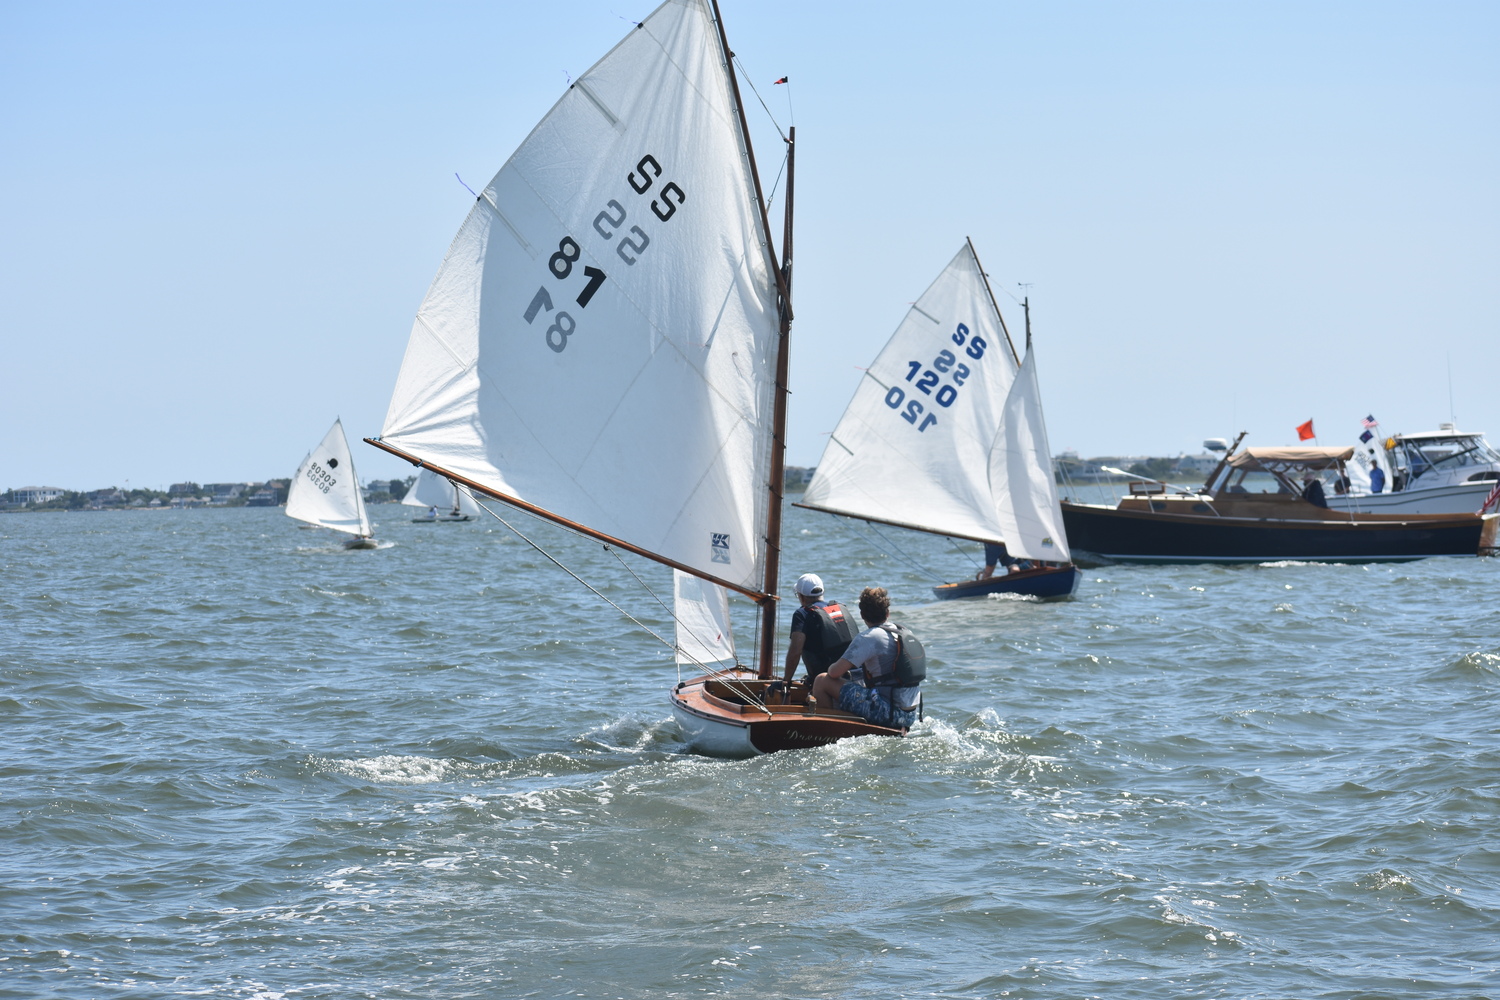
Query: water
[238, 761]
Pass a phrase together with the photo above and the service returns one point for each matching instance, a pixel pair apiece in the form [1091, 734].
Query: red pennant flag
[1305, 431]
[782, 80]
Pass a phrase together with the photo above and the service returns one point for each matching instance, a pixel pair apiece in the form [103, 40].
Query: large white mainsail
[432, 490]
[1021, 478]
[600, 341]
[325, 490]
[913, 448]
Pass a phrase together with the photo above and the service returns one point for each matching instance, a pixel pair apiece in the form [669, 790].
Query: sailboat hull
[1048, 582]
[361, 543]
[717, 719]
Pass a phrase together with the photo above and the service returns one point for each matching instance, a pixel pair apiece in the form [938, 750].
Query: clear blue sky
[216, 220]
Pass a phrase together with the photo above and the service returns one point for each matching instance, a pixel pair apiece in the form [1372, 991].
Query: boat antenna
[1451, 418]
[986, 279]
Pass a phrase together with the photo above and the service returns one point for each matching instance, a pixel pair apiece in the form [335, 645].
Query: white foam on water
[393, 769]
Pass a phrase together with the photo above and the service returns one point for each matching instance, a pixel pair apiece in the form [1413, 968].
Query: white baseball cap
[810, 585]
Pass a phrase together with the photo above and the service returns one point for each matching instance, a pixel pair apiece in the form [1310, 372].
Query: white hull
[1462, 498]
[714, 737]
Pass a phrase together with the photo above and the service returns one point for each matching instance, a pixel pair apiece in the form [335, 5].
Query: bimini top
[1272, 459]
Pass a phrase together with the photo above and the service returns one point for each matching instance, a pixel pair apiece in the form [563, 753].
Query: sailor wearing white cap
[820, 630]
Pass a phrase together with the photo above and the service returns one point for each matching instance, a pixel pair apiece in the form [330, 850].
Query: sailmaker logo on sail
[720, 548]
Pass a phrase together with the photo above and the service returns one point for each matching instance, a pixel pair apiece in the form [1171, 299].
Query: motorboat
[1230, 521]
[1446, 471]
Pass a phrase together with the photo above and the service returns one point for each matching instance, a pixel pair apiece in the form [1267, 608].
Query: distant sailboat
[945, 435]
[441, 500]
[325, 492]
[605, 347]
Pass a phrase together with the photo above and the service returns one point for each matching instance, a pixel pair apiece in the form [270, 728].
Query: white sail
[432, 490]
[600, 339]
[702, 612]
[325, 490]
[1021, 476]
[913, 447]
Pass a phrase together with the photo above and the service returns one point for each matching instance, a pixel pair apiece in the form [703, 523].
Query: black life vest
[911, 658]
[826, 634]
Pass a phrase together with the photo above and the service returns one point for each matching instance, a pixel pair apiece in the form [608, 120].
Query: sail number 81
[561, 266]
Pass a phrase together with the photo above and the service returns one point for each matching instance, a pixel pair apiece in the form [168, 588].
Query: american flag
[1490, 500]
[1370, 421]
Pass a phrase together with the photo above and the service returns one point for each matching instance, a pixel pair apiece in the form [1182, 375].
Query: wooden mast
[766, 667]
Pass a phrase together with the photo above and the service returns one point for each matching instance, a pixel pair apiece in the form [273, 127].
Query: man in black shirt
[820, 630]
[1312, 490]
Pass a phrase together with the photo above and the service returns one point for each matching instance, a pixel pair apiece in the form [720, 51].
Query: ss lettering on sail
[946, 363]
[608, 223]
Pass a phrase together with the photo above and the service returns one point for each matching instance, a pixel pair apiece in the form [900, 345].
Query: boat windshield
[1423, 455]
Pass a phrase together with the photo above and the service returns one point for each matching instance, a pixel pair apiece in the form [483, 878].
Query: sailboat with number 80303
[614, 303]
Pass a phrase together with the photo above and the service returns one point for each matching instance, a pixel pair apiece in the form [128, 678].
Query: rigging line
[771, 196]
[963, 553]
[556, 562]
[745, 74]
[671, 612]
[712, 672]
[895, 549]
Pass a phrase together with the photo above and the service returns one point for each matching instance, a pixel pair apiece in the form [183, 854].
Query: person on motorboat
[1377, 477]
[892, 666]
[1312, 490]
[820, 630]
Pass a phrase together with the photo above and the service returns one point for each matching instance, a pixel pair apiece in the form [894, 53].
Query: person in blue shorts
[994, 553]
[891, 665]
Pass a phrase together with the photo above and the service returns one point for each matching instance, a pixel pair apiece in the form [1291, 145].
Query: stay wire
[671, 612]
[745, 74]
[711, 671]
[886, 544]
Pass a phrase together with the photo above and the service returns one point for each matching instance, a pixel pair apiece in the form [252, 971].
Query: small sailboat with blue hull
[945, 435]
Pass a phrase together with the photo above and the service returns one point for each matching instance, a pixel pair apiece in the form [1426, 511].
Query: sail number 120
[946, 363]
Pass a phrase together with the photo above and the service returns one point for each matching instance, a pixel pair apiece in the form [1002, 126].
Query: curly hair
[874, 605]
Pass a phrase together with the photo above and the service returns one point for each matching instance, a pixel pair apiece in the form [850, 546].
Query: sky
[217, 220]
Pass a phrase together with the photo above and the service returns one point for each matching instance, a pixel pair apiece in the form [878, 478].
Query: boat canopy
[1282, 459]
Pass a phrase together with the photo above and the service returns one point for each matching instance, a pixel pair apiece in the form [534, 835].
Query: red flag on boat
[1305, 431]
[782, 80]
[1492, 499]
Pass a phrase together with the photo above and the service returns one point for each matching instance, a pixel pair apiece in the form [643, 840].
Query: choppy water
[237, 761]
